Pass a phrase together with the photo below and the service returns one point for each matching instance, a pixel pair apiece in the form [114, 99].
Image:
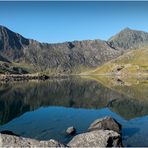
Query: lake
[45, 109]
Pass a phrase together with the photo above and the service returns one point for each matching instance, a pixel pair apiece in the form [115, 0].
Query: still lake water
[44, 110]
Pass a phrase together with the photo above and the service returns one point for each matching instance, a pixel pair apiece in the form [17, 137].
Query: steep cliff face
[11, 44]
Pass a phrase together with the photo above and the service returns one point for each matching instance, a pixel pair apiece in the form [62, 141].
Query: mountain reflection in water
[81, 97]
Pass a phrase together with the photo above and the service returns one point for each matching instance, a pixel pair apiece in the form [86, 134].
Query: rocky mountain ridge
[67, 57]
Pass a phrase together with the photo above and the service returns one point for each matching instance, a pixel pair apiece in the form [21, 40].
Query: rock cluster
[102, 133]
[16, 141]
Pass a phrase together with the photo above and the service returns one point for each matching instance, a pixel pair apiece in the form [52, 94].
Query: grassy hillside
[16, 68]
[133, 62]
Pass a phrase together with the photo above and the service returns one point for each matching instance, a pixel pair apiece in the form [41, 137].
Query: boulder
[71, 130]
[15, 141]
[107, 123]
[98, 138]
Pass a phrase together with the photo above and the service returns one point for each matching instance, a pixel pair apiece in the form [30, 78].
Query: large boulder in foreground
[107, 123]
[103, 132]
[98, 138]
[15, 141]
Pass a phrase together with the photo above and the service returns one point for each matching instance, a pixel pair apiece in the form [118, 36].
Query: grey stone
[71, 130]
[15, 141]
[107, 123]
[98, 138]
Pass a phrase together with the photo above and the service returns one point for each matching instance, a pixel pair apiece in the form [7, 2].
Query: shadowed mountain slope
[63, 57]
[67, 57]
[11, 44]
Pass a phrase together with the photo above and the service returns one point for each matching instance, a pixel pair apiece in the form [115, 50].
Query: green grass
[133, 62]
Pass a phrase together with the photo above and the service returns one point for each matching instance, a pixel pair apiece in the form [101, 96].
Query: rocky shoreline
[104, 132]
[28, 77]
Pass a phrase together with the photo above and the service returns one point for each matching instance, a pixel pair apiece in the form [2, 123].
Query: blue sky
[66, 21]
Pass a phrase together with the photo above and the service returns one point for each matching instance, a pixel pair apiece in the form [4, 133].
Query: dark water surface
[44, 110]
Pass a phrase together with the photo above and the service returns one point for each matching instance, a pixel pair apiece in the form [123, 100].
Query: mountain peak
[11, 43]
[4, 28]
[129, 39]
[126, 29]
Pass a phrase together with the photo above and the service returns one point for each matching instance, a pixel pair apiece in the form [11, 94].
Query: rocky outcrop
[104, 132]
[107, 123]
[98, 138]
[15, 141]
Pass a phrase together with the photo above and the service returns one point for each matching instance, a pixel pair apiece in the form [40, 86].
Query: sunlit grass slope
[133, 62]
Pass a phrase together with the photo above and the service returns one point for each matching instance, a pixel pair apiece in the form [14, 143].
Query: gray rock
[98, 138]
[71, 130]
[107, 123]
[15, 141]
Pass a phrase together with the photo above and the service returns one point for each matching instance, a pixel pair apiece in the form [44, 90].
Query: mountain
[132, 62]
[70, 56]
[11, 44]
[67, 57]
[129, 39]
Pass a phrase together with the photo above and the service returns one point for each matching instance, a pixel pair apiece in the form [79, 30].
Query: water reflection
[43, 110]
[18, 98]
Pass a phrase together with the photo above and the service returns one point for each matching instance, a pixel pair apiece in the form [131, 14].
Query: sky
[54, 22]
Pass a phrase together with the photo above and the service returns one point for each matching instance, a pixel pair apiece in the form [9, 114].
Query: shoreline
[43, 77]
[29, 77]
[103, 132]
